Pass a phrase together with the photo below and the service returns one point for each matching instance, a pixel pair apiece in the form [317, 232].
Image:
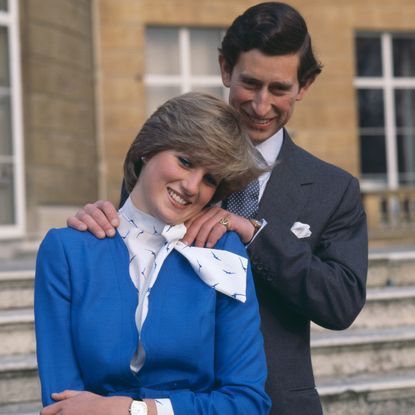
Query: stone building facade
[91, 70]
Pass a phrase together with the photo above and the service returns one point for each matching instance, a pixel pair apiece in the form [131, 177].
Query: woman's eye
[184, 161]
[210, 180]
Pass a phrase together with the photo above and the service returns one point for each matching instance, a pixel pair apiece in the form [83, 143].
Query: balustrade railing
[390, 213]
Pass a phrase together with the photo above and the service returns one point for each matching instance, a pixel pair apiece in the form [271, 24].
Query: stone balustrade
[390, 214]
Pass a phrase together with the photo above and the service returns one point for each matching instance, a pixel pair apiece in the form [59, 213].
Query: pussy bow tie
[222, 270]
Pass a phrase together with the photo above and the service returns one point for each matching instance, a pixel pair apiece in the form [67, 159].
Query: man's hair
[208, 131]
[275, 29]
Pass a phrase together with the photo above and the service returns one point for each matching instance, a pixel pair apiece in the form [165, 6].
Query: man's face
[264, 90]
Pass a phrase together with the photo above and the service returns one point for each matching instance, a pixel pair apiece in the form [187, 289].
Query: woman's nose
[193, 180]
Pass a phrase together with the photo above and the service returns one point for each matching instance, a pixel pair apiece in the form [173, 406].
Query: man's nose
[262, 103]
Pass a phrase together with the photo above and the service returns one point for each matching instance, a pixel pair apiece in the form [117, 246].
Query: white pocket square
[301, 230]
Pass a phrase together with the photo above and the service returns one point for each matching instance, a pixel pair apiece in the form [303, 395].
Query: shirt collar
[271, 147]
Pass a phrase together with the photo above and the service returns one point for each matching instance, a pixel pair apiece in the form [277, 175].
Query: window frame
[185, 80]
[388, 84]
[10, 20]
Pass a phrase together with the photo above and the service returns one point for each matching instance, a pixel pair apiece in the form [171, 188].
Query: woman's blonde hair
[208, 131]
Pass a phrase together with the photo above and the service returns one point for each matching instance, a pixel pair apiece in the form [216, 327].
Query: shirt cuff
[164, 407]
[263, 224]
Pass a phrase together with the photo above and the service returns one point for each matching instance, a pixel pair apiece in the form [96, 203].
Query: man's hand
[99, 218]
[205, 230]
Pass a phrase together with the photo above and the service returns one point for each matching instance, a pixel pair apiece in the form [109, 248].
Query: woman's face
[171, 188]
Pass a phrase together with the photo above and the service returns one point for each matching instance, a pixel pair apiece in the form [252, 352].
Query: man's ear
[304, 89]
[225, 71]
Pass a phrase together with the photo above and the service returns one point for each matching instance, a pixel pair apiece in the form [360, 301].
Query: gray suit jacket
[321, 278]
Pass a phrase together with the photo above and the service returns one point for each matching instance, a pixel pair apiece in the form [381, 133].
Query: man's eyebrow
[251, 79]
[281, 85]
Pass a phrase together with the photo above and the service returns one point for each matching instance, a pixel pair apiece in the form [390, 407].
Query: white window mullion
[5, 19]
[10, 20]
[184, 40]
[389, 110]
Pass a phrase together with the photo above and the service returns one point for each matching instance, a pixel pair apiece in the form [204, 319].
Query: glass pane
[405, 107]
[162, 51]
[371, 112]
[6, 195]
[373, 157]
[3, 5]
[204, 45]
[157, 95]
[406, 158]
[4, 58]
[368, 56]
[212, 90]
[5, 127]
[404, 56]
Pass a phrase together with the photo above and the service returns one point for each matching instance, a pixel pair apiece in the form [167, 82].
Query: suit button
[259, 267]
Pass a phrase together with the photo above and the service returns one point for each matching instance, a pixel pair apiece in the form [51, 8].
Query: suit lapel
[289, 186]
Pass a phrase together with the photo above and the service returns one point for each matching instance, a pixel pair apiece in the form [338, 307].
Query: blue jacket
[204, 350]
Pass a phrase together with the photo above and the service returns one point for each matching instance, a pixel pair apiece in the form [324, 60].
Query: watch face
[138, 408]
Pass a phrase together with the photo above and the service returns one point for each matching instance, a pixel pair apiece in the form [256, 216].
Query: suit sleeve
[240, 367]
[325, 284]
[57, 363]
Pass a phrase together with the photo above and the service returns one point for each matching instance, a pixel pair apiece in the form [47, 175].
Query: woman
[143, 316]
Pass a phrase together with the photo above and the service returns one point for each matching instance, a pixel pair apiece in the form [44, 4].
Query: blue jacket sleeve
[240, 360]
[58, 367]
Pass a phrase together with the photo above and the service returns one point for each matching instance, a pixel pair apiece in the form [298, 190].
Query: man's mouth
[260, 122]
[177, 198]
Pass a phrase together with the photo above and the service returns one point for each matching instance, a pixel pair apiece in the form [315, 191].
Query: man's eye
[250, 85]
[184, 161]
[210, 180]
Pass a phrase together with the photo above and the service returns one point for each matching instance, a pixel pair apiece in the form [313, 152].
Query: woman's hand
[99, 218]
[205, 228]
[72, 402]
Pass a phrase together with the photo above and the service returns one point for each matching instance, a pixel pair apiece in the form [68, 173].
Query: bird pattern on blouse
[214, 267]
[149, 242]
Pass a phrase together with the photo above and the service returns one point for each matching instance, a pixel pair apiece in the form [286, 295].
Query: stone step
[17, 331]
[352, 352]
[389, 394]
[385, 307]
[391, 269]
[18, 379]
[16, 288]
[29, 408]
[388, 307]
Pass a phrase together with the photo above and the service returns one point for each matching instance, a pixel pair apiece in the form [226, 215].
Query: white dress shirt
[269, 149]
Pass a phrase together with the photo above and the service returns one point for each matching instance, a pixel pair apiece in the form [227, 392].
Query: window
[11, 153]
[180, 60]
[385, 82]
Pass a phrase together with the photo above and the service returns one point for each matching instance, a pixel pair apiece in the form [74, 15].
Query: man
[267, 62]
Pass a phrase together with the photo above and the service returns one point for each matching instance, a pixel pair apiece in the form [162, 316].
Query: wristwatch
[138, 408]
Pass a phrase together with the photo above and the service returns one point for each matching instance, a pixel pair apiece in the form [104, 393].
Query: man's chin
[258, 137]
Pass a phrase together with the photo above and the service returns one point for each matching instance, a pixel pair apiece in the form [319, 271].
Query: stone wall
[59, 103]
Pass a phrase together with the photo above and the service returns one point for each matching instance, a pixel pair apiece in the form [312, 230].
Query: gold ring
[225, 222]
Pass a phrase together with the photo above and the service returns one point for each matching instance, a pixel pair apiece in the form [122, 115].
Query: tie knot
[172, 233]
